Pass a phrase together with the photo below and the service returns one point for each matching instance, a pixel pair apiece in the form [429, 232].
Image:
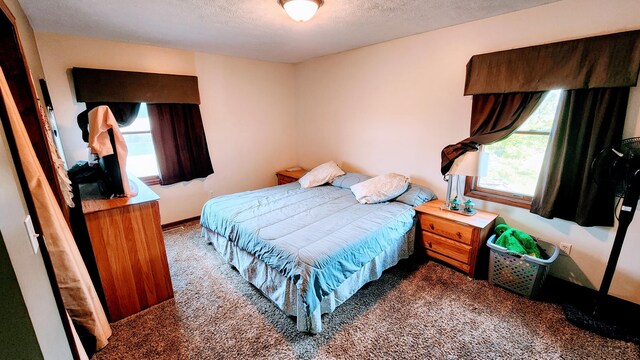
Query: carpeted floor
[415, 311]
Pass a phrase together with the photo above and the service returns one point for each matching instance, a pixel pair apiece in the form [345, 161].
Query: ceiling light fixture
[301, 10]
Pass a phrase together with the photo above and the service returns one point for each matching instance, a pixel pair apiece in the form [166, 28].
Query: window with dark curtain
[174, 115]
[596, 74]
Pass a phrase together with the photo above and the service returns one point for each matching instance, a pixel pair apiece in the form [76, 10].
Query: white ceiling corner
[258, 29]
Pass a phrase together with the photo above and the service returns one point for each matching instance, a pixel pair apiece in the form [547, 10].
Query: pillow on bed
[321, 174]
[380, 188]
[349, 179]
[416, 195]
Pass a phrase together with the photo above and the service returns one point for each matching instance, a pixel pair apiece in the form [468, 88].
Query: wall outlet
[565, 248]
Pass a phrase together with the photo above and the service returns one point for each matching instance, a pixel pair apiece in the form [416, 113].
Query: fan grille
[615, 165]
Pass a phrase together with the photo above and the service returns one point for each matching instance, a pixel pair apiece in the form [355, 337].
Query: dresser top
[481, 219]
[92, 201]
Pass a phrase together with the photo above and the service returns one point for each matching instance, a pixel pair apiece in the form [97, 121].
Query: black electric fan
[616, 167]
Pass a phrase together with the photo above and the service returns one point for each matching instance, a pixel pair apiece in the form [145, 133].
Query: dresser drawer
[447, 228]
[444, 246]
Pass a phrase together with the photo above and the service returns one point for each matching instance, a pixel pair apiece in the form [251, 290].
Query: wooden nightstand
[454, 238]
[285, 177]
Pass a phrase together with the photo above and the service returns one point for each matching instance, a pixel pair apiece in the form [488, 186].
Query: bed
[308, 249]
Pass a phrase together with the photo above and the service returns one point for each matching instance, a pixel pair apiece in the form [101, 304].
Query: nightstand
[285, 177]
[454, 238]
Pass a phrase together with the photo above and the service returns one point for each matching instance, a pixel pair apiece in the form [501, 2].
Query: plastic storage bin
[519, 273]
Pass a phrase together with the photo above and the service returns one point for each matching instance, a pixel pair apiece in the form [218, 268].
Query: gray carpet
[415, 311]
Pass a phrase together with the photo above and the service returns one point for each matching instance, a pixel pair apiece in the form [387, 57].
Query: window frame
[147, 180]
[472, 189]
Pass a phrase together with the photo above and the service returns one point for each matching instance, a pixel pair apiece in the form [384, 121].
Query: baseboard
[561, 291]
[179, 222]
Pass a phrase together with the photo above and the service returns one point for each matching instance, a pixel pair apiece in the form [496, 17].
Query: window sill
[502, 199]
[150, 180]
[471, 191]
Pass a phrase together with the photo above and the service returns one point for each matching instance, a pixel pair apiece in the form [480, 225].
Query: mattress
[316, 237]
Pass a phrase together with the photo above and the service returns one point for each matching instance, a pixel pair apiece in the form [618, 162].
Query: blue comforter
[317, 237]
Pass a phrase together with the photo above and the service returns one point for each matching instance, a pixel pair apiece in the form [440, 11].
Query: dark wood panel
[13, 63]
[18, 76]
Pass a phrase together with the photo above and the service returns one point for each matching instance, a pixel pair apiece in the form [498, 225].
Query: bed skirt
[285, 294]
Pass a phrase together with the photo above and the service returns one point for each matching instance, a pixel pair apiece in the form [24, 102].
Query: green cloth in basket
[516, 240]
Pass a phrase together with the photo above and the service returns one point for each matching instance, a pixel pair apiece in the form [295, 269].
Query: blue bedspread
[317, 237]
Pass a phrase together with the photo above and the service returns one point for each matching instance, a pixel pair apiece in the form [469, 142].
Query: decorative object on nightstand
[455, 204]
[290, 175]
[472, 163]
[454, 238]
[468, 206]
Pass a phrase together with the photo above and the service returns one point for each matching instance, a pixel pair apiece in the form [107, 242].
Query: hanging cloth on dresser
[78, 294]
[101, 120]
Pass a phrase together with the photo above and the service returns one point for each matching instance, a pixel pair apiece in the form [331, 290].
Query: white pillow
[380, 188]
[321, 174]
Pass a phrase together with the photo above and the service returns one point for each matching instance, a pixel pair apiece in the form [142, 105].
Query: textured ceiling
[258, 29]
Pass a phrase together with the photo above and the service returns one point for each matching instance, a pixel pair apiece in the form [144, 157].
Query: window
[515, 162]
[141, 157]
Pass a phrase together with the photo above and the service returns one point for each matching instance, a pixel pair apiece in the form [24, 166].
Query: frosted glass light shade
[472, 163]
[301, 10]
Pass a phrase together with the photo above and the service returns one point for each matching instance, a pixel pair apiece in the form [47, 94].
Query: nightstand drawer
[282, 179]
[444, 246]
[447, 228]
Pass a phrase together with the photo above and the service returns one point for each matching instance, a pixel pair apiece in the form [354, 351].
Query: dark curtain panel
[493, 117]
[125, 114]
[178, 137]
[588, 121]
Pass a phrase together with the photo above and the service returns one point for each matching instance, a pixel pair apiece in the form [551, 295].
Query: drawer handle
[429, 243]
[459, 235]
[431, 226]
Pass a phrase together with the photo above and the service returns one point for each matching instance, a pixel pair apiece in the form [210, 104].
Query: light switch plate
[31, 232]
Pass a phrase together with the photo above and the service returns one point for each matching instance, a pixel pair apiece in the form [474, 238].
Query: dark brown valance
[96, 85]
[596, 62]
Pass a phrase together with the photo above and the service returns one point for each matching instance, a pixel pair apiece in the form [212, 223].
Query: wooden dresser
[128, 246]
[285, 177]
[455, 238]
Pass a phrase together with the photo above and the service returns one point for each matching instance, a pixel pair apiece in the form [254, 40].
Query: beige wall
[387, 107]
[29, 267]
[395, 105]
[247, 111]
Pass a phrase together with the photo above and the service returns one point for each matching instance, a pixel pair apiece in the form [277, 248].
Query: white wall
[394, 106]
[29, 267]
[246, 109]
